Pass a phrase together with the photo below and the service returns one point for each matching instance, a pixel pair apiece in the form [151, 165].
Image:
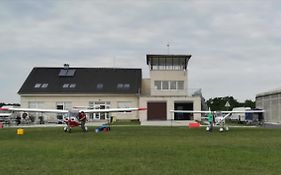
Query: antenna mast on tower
[168, 48]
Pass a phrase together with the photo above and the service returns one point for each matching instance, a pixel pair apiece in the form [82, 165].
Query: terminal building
[271, 102]
[67, 87]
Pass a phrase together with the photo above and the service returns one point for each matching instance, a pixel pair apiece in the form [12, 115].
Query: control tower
[168, 74]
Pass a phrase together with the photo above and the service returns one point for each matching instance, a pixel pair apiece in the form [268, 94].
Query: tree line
[228, 103]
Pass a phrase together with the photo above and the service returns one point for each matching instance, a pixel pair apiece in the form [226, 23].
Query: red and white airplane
[219, 116]
[71, 118]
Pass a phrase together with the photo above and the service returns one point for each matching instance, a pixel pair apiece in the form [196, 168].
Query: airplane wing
[249, 111]
[227, 113]
[34, 110]
[224, 112]
[66, 111]
[5, 114]
[190, 111]
[111, 110]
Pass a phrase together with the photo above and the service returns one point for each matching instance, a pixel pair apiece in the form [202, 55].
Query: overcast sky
[235, 45]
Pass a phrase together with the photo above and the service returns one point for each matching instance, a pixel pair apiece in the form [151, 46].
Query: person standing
[211, 121]
[82, 119]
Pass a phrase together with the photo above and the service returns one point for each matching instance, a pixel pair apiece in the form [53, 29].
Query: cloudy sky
[235, 45]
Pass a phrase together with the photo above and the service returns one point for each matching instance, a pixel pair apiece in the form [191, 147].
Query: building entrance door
[156, 111]
[183, 106]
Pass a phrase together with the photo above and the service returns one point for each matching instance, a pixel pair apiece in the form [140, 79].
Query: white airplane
[5, 114]
[219, 116]
[71, 118]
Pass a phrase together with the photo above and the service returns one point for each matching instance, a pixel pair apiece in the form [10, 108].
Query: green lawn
[141, 150]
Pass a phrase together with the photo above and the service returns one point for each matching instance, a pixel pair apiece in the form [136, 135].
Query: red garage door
[156, 111]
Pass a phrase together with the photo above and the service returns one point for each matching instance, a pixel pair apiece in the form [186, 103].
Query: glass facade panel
[173, 85]
[165, 85]
[180, 85]
[157, 85]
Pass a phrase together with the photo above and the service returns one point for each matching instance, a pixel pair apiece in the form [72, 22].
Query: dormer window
[69, 85]
[66, 85]
[67, 72]
[99, 86]
[127, 86]
[37, 85]
[45, 85]
[41, 85]
[72, 85]
[119, 86]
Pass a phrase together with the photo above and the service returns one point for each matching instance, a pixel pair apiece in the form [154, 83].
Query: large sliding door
[156, 111]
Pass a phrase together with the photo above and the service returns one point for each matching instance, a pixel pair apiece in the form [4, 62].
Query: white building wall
[160, 75]
[146, 89]
[50, 102]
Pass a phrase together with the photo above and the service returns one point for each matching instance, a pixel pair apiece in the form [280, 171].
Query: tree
[219, 103]
[250, 103]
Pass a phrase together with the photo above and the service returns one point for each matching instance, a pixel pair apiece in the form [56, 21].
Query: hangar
[271, 102]
[66, 87]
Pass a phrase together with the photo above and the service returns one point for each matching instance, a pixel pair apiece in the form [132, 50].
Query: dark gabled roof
[42, 80]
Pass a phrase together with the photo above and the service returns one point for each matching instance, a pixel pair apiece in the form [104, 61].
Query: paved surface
[271, 125]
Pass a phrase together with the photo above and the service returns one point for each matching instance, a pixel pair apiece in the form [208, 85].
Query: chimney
[66, 66]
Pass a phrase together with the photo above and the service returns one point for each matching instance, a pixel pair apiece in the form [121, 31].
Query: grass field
[141, 150]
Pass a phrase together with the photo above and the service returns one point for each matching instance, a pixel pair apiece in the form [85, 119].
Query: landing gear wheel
[226, 128]
[221, 129]
[207, 128]
[65, 129]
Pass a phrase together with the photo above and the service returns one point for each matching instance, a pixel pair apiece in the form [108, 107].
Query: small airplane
[219, 117]
[5, 114]
[71, 117]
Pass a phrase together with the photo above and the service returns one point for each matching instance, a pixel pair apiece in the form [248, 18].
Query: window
[67, 72]
[41, 85]
[62, 72]
[99, 86]
[70, 72]
[35, 104]
[37, 85]
[180, 85]
[66, 85]
[126, 86]
[45, 85]
[124, 104]
[64, 105]
[173, 85]
[169, 85]
[72, 85]
[122, 86]
[161, 64]
[165, 85]
[157, 85]
[119, 86]
[99, 105]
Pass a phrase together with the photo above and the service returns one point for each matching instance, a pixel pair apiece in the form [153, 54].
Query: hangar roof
[269, 93]
[68, 80]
